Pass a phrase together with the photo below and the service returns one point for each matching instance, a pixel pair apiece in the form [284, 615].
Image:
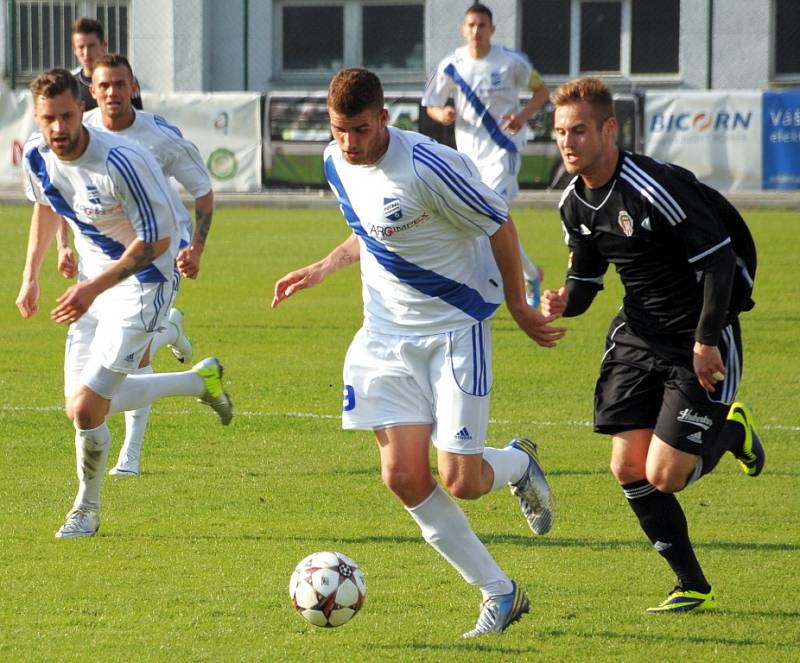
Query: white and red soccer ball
[327, 588]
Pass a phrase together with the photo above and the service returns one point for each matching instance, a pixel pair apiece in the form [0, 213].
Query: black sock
[663, 521]
[730, 438]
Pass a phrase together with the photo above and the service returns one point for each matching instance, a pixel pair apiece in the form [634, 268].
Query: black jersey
[88, 100]
[659, 227]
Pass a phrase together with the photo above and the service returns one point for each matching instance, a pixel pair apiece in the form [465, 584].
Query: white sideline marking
[313, 415]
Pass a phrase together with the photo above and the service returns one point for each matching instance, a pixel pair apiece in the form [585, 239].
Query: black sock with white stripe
[730, 438]
[663, 521]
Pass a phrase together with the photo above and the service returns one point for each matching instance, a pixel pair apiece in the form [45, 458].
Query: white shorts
[502, 175]
[116, 330]
[442, 379]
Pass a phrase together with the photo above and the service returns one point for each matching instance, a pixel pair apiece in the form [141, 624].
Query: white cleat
[532, 490]
[81, 521]
[126, 467]
[182, 348]
[214, 396]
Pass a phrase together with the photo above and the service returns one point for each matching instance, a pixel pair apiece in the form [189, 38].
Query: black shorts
[647, 383]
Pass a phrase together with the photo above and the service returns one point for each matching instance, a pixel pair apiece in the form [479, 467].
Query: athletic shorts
[649, 384]
[117, 329]
[501, 175]
[443, 379]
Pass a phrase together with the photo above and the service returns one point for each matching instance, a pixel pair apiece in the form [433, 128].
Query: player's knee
[664, 482]
[462, 488]
[409, 487]
[625, 471]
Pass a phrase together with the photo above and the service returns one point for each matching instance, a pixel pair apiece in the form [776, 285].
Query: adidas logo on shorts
[463, 434]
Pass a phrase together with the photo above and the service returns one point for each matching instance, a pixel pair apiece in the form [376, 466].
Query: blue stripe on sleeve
[162, 122]
[112, 248]
[456, 182]
[426, 281]
[136, 188]
[486, 118]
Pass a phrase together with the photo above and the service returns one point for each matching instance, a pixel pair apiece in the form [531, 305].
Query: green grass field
[193, 558]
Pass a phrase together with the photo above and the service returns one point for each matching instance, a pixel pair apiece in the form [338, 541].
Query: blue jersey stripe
[457, 183]
[125, 168]
[162, 122]
[426, 281]
[112, 248]
[486, 118]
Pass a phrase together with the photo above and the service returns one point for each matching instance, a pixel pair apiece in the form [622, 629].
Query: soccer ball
[327, 588]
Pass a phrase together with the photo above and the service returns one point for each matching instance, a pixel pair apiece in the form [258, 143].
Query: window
[315, 37]
[787, 37]
[566, 38]
[41, 32]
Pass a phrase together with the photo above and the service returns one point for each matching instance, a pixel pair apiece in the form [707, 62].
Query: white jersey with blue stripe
[178, 157]
[423, 218]
[484, 90]
[111, 195]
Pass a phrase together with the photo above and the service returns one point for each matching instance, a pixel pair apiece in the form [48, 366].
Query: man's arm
[67, 262]
[77, 299]
[445, 115]
[513, 122]
[505, 247]
[44, 224]
[342, 256]
[188, 258]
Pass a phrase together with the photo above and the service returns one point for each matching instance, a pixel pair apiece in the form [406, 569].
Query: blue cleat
[751, 456]
[532, 490]
[499, 612]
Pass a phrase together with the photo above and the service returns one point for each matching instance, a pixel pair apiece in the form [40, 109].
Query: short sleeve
[453, 188]
[34, 170]
[440, 87]
[185, 163]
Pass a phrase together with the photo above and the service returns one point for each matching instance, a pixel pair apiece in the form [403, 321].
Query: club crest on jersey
[626, 223]
[391, 209]
[94, 194]
[496, 78]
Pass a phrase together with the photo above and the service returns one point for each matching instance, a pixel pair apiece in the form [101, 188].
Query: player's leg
[171, 333]
[129, 460]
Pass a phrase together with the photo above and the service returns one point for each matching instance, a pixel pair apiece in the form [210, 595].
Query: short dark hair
[53, 82]
[111, 60]
[352, 91]
[88, 26]
[478, 8]
[591, 90]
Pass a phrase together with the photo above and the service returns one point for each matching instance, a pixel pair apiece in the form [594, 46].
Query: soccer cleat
[499, 612]
[182, 348]
[532, 490]
[126, 467]
[214, 396]
[80, 522]
[751, 456]
[684, 600]
[533, 289]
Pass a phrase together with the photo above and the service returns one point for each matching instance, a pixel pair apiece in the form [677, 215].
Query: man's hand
[512, 122]
[707, 362]
[67, 262]
[75, 301]
[554, 303]
[537, 326]
[188, 261]
[28, 299]
[299, 279]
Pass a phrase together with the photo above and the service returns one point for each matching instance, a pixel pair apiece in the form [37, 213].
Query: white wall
[742, 44]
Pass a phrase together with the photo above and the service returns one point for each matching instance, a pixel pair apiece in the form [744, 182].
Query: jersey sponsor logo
[463, 434]
[626, 223]
[348, 398]
[383, 232]
[689, 416]
[391, 209]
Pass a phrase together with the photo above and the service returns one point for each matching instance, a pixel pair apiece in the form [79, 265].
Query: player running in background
[89, 44]
[438, 253]
[116, 200]
[113, 86]
[486, 81]
[673, 357]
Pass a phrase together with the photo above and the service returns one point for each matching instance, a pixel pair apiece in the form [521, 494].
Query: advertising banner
[225, 127]
[781, 150]
[717, 135]
[16, 124]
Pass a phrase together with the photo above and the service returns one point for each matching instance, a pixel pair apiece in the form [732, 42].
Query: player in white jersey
[115, 198]
[113, 86]
[485, 81]
[438, 254]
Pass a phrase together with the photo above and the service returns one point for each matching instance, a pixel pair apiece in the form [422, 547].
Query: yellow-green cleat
[214, 395]
[751, 456]
[684, 600]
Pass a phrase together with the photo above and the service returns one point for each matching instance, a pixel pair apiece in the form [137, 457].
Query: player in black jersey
[88, 44]
[673, 356]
